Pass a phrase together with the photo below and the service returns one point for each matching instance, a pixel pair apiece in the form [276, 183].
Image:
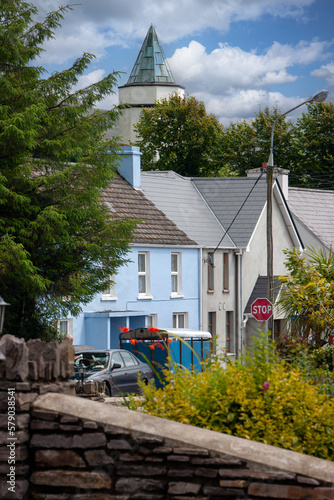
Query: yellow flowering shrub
[261, 399]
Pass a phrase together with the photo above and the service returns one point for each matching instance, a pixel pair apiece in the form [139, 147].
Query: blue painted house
[160, 286]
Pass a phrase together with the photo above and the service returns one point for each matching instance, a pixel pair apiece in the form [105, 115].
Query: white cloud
[231, 67]
[96, 25]
[237, 82]
[326, 72]
[242, 104]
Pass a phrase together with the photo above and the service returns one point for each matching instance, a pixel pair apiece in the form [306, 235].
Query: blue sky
[235, 55]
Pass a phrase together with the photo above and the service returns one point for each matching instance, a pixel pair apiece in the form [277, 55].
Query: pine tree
[58, 243]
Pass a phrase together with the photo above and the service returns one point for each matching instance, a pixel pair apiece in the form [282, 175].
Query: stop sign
[262, 309]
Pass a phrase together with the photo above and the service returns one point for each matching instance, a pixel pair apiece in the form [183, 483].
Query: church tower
[151, 79]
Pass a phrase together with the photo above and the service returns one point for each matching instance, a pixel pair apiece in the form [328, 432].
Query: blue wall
[99, 324]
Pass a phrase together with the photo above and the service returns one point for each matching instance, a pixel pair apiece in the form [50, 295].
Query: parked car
[118, 368]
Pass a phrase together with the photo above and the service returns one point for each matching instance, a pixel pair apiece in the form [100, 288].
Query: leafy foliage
[308, 295]
[58, 245]
[313, 148]
[177, 134]
[305, 148]
[315, 364]
[261, 399]
[247, 145]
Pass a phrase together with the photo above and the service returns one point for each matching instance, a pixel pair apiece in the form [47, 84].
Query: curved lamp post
[320, 97]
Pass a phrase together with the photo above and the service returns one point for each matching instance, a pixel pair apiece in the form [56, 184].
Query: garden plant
[261, 397]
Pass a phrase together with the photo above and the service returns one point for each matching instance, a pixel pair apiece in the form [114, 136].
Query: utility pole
[320, 97]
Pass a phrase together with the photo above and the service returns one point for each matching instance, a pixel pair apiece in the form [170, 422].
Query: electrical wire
[238, 212]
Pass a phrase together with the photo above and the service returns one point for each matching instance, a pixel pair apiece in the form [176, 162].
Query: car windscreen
[92, 360]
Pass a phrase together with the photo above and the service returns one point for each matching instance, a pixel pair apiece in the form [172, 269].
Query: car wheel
[107, 390]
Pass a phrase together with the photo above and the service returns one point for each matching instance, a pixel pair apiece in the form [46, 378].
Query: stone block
[181, 473]
[44, 425]
[119, 444]
[51, 358]
[183, 488]
[130, 485]
[216, 461]
[35, 348]
[88, 440]
[16, 362]
[290, 492]
[164, 450]
[178, 458]
[251, 474]
[191, 451]
[21, 488]
[94, 495]
[233, 483]
[206, 472]
[59, 458]
[19, 436]
[140, 470]
[66, 357]
[308, 480]
[21, 454]
[216, 491]
[98, 458]
[75, 479]
[24, 400]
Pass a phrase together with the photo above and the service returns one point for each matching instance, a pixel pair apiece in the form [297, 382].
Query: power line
[238, 212]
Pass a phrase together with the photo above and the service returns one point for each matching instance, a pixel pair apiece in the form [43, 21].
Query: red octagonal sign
[262, 309]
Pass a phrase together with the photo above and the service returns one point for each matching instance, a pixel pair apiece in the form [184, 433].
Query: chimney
[129, 166]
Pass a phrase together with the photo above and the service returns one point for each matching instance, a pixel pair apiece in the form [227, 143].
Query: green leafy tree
[177, 134]
[58, 244]
[305, 148]
[308, 296]
[312, 165]
[247, 145]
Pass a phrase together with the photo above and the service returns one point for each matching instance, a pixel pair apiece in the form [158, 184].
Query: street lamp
[320, 97]
[82, 372]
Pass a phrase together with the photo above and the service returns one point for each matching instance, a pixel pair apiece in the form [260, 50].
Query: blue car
[118, 368]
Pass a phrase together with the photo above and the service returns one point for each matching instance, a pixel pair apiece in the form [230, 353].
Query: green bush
[324, 357]
[261, 399]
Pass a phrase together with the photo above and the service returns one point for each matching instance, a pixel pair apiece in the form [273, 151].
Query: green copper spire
[151, 65]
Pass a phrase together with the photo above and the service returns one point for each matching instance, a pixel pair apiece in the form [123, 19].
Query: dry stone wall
[29, 370]
[67, 447]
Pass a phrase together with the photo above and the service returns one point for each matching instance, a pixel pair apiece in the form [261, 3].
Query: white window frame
[152, 320]
[226, 272]
[109, 294]
[176, 274]
[176, 319]
[211, 272]
[146, 274]
[69, 326]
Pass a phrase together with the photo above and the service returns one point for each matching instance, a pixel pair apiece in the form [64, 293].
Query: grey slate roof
[315, 209]
[179, 199]
[260, 291]
[155, 228]
[151, 65]
[225, 196]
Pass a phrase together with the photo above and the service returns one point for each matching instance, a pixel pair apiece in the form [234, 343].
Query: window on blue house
[176, 274]
[109, 293]
[180, 320]
[143, 274]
